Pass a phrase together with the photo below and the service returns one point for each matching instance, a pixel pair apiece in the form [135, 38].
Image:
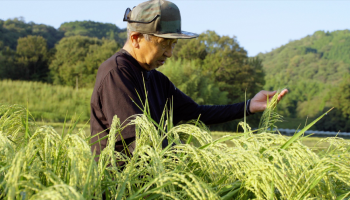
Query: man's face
[154, 52]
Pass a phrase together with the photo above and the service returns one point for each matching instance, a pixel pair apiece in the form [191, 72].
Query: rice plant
[39, 163]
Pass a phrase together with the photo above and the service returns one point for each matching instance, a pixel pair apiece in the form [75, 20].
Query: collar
[145, 73]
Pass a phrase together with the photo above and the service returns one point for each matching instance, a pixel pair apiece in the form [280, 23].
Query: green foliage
[269, 117]
[8, 67]
[34, 50]
[339, 118]
[190, 50]
[334, 121]
[12, 29]
[28, 62]
[188, 77]
[226, 62]
[32, 58]
[47, 164]
[221, 60]
[14, 121]
[77, 60]
[341, 96]
[311, 68]
[48, 102]
[94, 29]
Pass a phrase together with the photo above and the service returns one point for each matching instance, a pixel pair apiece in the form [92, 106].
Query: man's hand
[258, 102]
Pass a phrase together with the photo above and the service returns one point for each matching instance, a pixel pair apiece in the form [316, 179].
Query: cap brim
[182, 35]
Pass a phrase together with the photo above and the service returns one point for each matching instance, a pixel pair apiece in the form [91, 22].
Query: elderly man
[153, 30]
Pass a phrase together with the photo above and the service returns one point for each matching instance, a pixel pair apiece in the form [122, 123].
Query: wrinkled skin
[149, 54]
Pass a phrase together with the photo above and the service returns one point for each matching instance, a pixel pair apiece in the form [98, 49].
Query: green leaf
[223, 139]
[230, 194]
[343, 196]
[296, 136]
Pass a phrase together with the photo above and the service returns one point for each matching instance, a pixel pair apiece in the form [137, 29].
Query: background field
[47, 103]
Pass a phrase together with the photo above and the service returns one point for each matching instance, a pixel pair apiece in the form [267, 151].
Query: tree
[78, 58]
[334, 121]
[12, 29]
[311, 68]
[94, 29]
[341, 98]
[226, 62]
[8, 67]
[32, 58]
[188, 77]
[193, 49]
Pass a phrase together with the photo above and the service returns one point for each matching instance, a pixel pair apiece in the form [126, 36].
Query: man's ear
[135, 39]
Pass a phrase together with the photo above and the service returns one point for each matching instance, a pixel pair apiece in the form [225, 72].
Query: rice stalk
[50, 165]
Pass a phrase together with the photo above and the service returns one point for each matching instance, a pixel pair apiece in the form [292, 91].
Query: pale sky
[259, 26]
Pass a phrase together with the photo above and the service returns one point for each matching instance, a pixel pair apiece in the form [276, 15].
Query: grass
[58, 127]
[37, 162]
[47, 103]
[294, 123]
[311, 142]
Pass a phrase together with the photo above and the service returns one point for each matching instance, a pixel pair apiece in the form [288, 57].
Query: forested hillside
[94, 29]
[316, 70]
[13, 29]
[30, 51]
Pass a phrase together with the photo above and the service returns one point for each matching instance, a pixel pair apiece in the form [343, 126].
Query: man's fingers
[284, 92]
[271, 94]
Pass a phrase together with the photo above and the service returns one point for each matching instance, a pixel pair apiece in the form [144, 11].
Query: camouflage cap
[157, 17]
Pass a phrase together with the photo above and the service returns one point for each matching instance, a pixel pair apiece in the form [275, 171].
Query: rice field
[39, 162]
[48, 103]
[311, 142]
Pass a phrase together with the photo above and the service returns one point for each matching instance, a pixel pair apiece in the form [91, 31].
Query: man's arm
[186, 109]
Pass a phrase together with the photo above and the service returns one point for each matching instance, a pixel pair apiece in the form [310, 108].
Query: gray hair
[146, 36]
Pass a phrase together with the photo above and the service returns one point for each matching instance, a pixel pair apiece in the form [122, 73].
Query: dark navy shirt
[119, 80]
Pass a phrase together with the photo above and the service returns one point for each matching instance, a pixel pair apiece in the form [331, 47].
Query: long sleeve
[186, 109]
